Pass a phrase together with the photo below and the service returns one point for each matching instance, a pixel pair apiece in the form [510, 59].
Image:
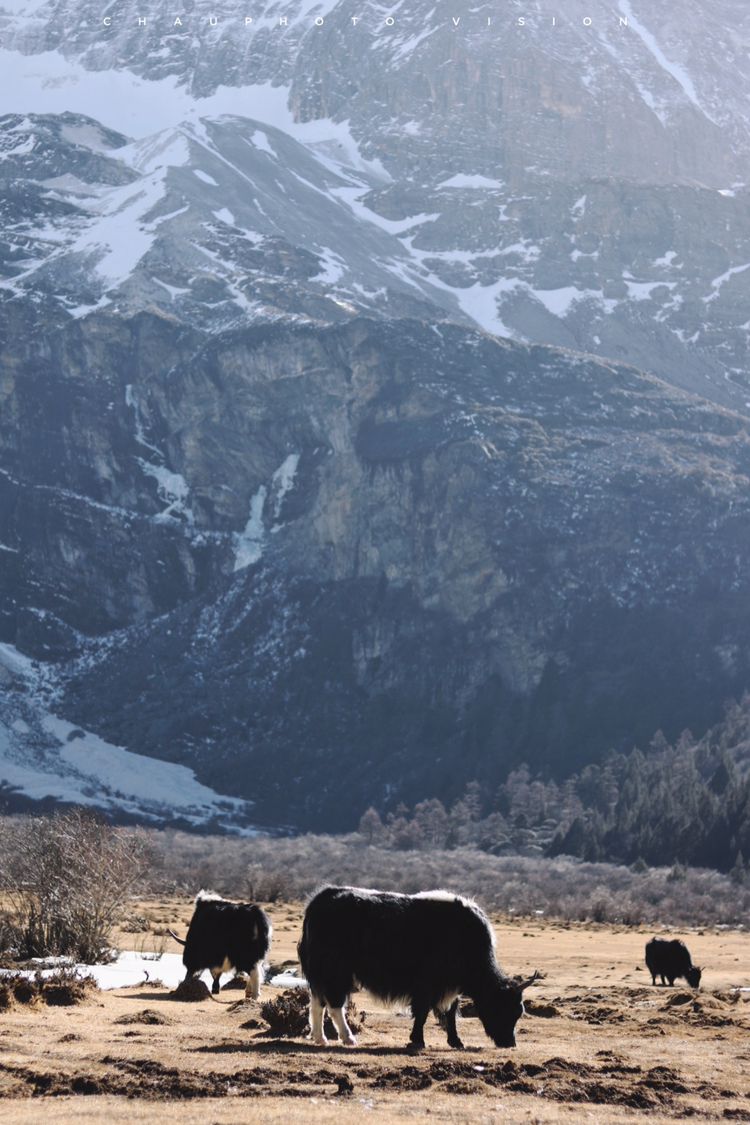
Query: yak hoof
[456, 1044]
[414, 1048]
[350, 1041]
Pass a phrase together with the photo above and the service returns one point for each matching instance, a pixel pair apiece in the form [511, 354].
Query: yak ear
[526, 983]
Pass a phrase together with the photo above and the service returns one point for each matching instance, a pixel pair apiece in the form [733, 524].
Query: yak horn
[176, 938]
[526, 983]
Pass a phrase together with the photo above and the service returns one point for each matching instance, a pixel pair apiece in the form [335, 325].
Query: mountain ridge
[376, 431]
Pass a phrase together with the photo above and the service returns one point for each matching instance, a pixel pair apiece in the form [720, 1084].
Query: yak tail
[176, 938]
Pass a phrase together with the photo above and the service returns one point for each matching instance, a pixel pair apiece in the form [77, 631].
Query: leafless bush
[286, 1015]
[264, 885]
[562, 887]
[66, 880]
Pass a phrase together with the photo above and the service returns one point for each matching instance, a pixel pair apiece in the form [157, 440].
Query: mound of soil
[146, 1016]
[192, 989]
[235, 983]
[63, 989]
[540, 1008]
[680, 998]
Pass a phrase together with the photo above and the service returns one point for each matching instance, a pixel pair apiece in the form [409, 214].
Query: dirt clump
[63, 988]
[679, 999]
[235, 983]
[192, 990]
[407, 1078]
[540, 1008]
[147, 1016]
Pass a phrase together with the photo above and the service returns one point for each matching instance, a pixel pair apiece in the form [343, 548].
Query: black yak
[670, 959]
[226, 935]
[421, 950]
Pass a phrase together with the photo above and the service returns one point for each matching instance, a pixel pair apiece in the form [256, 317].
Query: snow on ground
[204, 176]
[132, 967]
[332, 268]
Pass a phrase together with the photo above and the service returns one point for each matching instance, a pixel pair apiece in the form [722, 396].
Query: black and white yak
[225, 935]
[670, 959]
[421, 950]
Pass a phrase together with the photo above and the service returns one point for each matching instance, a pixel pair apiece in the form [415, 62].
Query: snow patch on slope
[680, 76]
[248, 544]
[173, 489]
[44, 756]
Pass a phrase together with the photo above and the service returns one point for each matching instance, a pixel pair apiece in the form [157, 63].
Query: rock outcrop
[367, 560]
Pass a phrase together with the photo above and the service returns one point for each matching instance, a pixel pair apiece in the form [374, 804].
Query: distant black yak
[421, 950]
[226, 935]
[670, 959]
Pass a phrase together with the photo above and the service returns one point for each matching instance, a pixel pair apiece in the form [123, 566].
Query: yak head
[693, 976]
[500, 1011]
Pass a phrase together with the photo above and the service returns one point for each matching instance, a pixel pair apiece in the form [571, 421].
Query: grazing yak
[421, 950]
[670, 959]
[226, 935]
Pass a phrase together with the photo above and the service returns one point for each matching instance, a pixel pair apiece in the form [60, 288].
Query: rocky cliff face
[369, 555]
[324, 466]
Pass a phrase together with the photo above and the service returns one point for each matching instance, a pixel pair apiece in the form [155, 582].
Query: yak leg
[345, 1032]
[419, 1010]
[317, 1011]
[450, 1026]
[252, 988]
[217, 970]
[337, 995]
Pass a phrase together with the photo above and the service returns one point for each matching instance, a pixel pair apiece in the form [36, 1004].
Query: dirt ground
[598, 1044]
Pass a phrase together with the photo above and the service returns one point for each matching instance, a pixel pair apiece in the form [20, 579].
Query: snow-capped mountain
[220, 221]
[322, 468]
[577, 182]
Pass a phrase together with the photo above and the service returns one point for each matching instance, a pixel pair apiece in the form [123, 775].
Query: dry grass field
[598, 1044]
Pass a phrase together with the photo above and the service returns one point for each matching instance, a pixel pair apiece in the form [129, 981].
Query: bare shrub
[603, 907]
[287, 1015]
[518, 886]
[264, 885]
[67, 879]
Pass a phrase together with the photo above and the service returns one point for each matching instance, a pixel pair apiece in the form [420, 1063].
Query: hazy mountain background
[373, 397]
